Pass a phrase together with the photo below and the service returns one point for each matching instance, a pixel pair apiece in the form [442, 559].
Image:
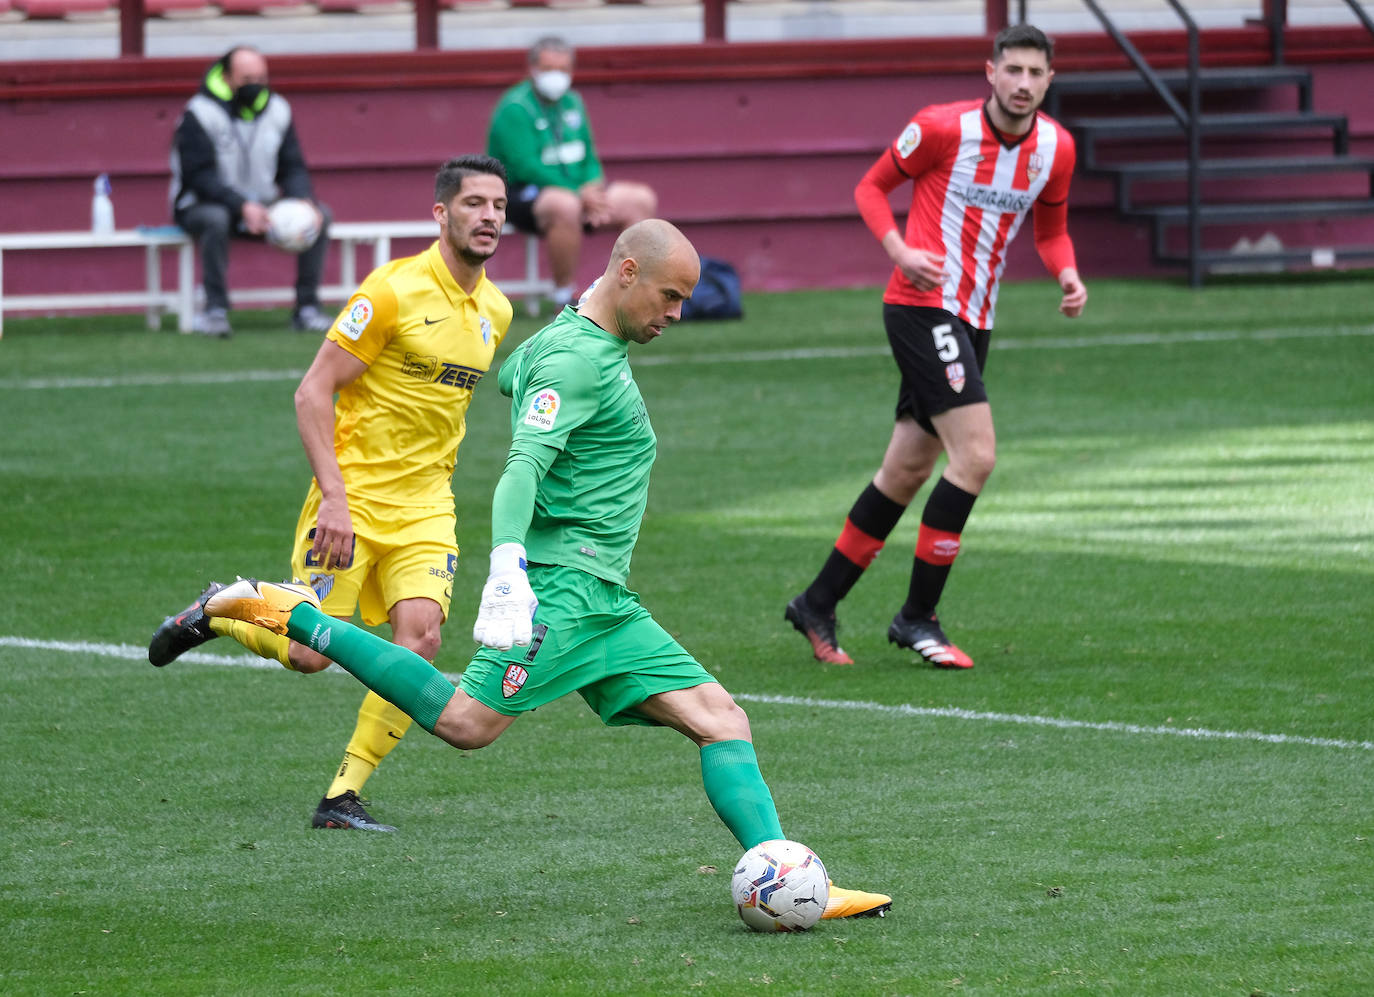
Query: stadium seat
[180, 8]
[363, 6]
[56, 9]
[265, 6]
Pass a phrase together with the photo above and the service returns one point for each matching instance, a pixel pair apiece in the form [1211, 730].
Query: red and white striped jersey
[972, 187]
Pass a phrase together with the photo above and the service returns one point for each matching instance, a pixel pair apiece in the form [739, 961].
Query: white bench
[181, 299]
[153, 298]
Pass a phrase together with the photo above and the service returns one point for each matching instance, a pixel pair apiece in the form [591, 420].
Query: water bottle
[102, 208]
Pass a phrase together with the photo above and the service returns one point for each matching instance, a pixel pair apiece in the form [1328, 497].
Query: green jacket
[549, 145]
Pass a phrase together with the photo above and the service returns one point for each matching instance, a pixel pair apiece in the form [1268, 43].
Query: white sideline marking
[748, 356]
[133, 652]
[1030, 720]
[153, 380]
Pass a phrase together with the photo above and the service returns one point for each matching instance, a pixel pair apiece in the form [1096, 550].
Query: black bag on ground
[717, 293]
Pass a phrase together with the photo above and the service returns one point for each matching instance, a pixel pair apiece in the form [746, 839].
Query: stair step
[1256, 211]
[1211, 80]
[1164, 125]
[1244, 166]
[1319, 256]
[1218, 78]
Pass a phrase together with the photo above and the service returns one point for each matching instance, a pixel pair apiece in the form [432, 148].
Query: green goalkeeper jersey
[577, 477]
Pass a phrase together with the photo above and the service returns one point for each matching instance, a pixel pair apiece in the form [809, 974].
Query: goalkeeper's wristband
[506, 558]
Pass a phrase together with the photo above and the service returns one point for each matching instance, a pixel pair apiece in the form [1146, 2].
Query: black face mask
[246, 96]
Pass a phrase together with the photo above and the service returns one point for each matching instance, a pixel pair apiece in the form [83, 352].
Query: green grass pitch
[1158, 780]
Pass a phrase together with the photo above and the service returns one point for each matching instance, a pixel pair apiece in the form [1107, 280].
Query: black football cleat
[817, 628]
[927, 639]
[187, 629]
[346, 811]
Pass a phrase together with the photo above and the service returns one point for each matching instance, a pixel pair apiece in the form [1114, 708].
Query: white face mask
[552, 83]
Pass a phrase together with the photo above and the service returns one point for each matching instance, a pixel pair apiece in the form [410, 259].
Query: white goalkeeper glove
[508, 602]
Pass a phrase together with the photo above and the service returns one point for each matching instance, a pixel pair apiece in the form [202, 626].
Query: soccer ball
[780, 886]
[293, 224]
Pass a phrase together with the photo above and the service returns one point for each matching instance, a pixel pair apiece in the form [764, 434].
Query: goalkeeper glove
[508, 602]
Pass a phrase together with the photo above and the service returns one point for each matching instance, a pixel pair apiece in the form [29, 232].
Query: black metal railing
[1187, 117]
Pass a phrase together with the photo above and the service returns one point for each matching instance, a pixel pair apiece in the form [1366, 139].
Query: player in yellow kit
[377, 531]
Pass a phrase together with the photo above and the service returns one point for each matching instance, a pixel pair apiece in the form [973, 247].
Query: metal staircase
[1136, 147]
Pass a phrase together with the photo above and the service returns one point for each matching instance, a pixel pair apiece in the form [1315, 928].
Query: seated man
[235, 152]
[540, 131]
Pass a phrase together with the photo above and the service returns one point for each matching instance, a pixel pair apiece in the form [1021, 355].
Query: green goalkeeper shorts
[591, 637]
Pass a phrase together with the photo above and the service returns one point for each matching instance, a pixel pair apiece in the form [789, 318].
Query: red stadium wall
[754, 149]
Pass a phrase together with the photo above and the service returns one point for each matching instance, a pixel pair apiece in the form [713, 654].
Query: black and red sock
[866, 529]
[937, 545]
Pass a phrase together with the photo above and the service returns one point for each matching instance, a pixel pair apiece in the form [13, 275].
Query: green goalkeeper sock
[734, 785]
[395, 673]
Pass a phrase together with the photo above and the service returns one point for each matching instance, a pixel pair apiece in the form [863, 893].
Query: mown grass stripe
[747, 356]
[133, 652]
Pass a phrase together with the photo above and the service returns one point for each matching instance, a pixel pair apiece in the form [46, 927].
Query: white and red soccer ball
[780, 886]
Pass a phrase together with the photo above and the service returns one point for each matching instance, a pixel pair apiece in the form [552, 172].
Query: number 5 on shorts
[946, 346]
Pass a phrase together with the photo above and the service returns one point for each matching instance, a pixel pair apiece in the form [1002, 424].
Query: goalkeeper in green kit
[556, 616]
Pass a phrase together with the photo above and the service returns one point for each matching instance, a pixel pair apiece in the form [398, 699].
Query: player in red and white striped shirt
[976, 169]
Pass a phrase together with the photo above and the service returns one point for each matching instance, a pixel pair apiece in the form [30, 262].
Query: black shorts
[520, 207]
[941, 360]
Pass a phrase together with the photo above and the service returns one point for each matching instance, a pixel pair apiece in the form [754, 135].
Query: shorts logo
[536, 639]
[513, 681]
[543, 411]
[446, 573]
[359, 315]
[322, 585]
[954, 373]
[908, 140]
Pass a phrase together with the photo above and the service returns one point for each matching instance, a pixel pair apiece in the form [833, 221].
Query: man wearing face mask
[235, 151]
[558, 189]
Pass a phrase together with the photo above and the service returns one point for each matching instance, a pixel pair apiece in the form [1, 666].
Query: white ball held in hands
[293, 224]
[508, 603]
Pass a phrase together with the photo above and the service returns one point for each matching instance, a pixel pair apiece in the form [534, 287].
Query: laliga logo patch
[1035, 164]
[513, 681]
[543, 411]
[954, 373]
[485, 324]
[908, 140]
[356, 321]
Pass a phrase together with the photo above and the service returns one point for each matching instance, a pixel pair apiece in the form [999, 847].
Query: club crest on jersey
[908, 140]
[1035, 165]
[359, 315]
[484, 324]
[543, 410]
[513, 681]
[954, 373]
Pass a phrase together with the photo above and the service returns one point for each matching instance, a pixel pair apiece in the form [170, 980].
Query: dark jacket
[228, 154]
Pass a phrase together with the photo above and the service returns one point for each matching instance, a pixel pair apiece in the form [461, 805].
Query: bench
[180, 300]
[152, 298]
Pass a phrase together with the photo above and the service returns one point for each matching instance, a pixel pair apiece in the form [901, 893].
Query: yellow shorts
[398, 554]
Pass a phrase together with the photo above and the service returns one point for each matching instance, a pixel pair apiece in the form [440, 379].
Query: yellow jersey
[427, 344]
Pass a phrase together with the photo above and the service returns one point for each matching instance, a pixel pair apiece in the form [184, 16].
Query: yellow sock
[263, 643]
[380, 728]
